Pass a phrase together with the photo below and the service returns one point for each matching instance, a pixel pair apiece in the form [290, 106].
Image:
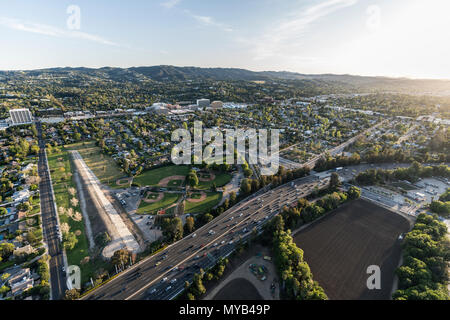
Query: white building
[20, 116]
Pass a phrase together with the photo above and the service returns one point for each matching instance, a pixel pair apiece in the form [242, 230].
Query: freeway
[162, 276]
[50, 224]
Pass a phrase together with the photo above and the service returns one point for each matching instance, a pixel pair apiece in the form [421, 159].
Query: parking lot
[129, 199]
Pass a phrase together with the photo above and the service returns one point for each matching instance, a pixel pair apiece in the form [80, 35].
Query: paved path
[122, 237]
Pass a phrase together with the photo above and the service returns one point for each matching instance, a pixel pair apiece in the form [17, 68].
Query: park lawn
[212, 200]
[167, 201]
[220, 180]
[103, 166]
[62, 197]
[153, 177]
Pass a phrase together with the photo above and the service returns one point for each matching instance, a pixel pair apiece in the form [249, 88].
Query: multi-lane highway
[163, 276]
[50, 225]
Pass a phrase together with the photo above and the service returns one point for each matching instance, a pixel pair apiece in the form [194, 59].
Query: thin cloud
[52, 31]
[209, 21]
[169, 4]
[285, 38]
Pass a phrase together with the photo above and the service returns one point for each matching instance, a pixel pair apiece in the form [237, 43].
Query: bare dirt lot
[341, 246]
[238, 289]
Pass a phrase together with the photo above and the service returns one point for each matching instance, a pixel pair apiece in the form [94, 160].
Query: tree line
[426, 253]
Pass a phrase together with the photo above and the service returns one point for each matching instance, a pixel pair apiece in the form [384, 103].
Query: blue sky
[377, 37]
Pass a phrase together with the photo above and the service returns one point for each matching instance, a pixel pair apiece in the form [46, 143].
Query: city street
[50, 226]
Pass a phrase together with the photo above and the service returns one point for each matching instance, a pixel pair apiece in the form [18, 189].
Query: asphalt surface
[50, 225]
[162, 277]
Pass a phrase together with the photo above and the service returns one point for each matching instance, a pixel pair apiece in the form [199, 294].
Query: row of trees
[294, 272]
[306, 212]
[411, 174]
[249, 186]
[442, 206]
[426, 253]
[197, 288]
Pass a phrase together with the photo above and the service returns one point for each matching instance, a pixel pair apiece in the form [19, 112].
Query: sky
[396, 38]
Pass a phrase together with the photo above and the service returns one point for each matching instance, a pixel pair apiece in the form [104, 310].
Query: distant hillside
[171, 73]
[165, 73]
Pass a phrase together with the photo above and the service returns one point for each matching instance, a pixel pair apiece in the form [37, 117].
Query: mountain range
[167, 73]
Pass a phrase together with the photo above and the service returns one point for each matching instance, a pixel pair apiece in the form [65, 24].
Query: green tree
[120, 257]
[354, 193]
[73, 294]
[189, 225]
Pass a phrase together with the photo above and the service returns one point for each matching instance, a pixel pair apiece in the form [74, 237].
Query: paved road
[50, 225]
[340, 148]
[162, 276]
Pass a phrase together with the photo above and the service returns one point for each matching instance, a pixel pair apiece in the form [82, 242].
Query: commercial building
[217, 105]
[20, 116]
[203, 103]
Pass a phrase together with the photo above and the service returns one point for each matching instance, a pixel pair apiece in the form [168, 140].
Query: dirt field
[341, 246]
[238, 289]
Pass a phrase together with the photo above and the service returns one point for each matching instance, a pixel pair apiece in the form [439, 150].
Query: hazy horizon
[380, 38]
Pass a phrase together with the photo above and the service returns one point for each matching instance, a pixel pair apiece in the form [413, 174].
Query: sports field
[212, 199]
[103, 166]
[154, 177]
[149, 208]
[340, 247]
[220, 179]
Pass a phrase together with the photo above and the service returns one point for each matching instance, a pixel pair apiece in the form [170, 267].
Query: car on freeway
[194, 235]
[168, 288]
[173, 281]
[223, 242]
[164, 279]
[158, 263]
[153, 291]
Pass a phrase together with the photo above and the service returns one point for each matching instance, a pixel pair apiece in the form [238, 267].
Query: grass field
[63, 197]
[103, 166]
[220, 180]
[153, 177]
[340, 247]
[213, 199]
[148, 208]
